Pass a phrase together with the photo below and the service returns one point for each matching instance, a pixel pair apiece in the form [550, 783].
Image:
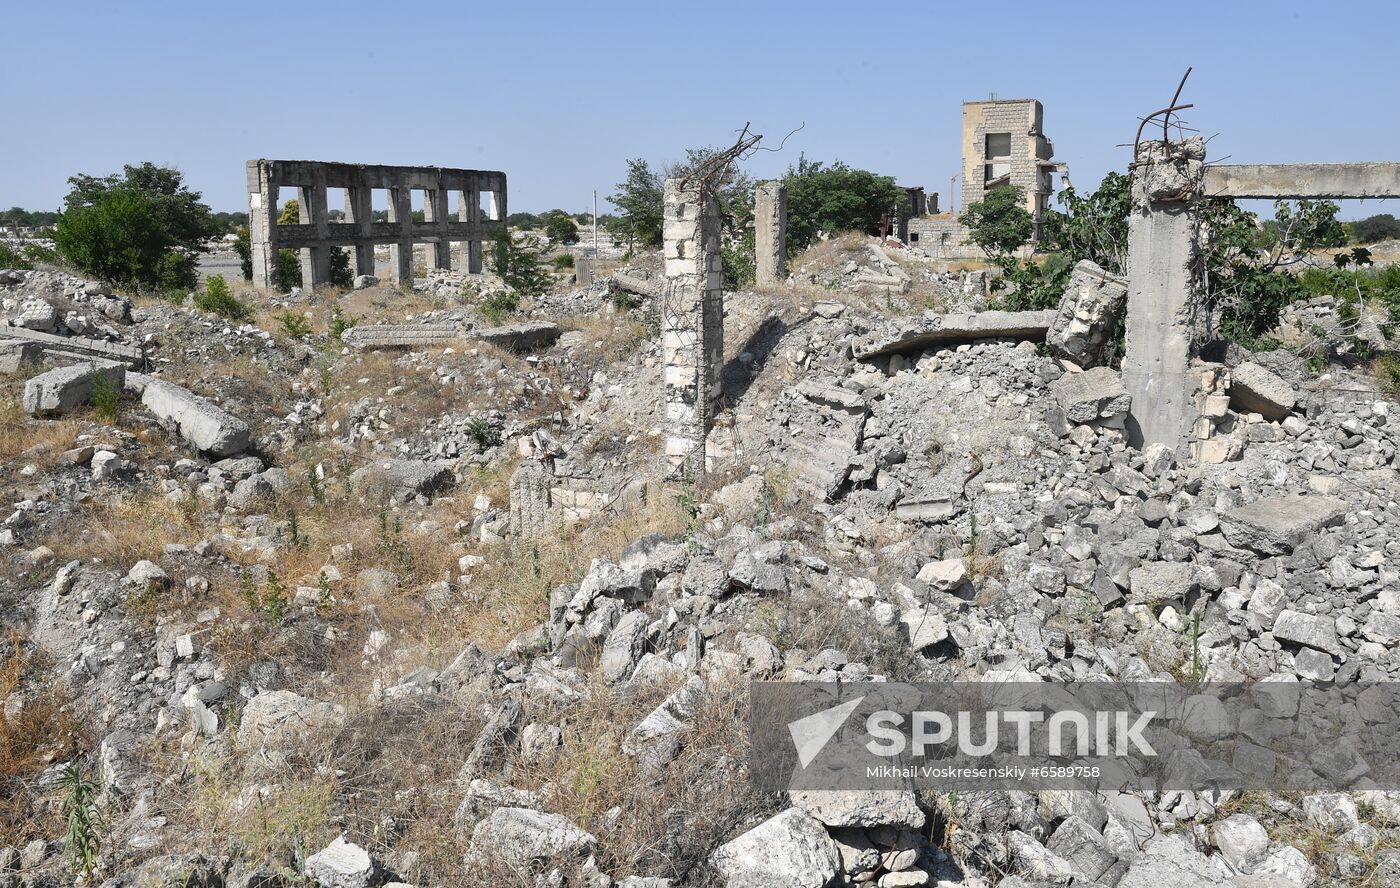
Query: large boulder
[1090, 310]
[405, 477]
[277, 719]
[68, 388]
[837, 807]
[1256, 390]
[519, 837]
[791, 849]
[200, 423]
[341, 864]
[1276, 524]
[1091, 396]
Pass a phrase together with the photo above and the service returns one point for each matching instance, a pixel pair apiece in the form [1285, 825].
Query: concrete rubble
[1089, 315]
[919, 333]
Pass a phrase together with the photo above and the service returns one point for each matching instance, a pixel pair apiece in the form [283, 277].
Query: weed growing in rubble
[1387, 370]
[219, 300]
[483, 433]
[299, 540]
[294, 325]
[340, 323]
[392, 545]
[317, 487]
[104, 399]
[498, 305]
[83, 816]
[272, 604]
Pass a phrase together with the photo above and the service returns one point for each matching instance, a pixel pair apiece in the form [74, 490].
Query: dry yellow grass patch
[23, 438]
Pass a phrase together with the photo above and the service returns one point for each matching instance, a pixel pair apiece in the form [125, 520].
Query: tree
[639, 200]
[1093, 227]
[290, 213]
[1382, 226]
[243, 246]
[518, 265]
[140, 229]
[560, 228]
[835, 198]
[999, 223]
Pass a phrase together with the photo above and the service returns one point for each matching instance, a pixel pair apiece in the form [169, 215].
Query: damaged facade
[1003, 144]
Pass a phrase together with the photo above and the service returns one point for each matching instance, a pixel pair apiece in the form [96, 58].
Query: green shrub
[340, 323]
[294, 325]
[835, 198]
[483, 433]
[104, 399]
[139, 230]
[287, 273]
[243, 246]
[563, 261]
[1382, 226]
[500, 304]
[1387, 370]
[520, 265]
[737, 260]
[218, 300]
[12, 258]
[560, 228]
[341, 275]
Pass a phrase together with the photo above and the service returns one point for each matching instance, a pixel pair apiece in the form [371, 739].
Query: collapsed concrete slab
[1276, 525]
[526, 336]
[128, 355]
[821, 429]
[409, 336]
[15, 354]
[68, 388]
[1092, 395]
[1256, 390]
[634, 284]
[200, 423]
[1090, 310]
[911, 334]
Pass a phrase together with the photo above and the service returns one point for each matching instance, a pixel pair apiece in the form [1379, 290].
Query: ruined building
[480, 213]
[1003, 143]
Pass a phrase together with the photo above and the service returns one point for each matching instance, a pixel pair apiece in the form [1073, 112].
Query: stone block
[1090, 396]
[201, 424]
[1256, 390]
[68, 388]
[1090, 309]
[1275, 525]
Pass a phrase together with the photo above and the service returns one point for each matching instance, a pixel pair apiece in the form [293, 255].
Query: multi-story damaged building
[1003, 143]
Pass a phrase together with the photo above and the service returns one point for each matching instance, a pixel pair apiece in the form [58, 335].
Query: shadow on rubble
[741, 370]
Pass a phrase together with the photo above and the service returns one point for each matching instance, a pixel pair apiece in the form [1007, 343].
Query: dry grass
[42, 731]
[25, 439]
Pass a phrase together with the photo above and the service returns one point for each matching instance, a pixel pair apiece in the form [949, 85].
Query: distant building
[1003, 143]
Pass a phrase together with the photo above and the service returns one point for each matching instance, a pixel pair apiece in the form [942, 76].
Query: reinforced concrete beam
[1294, 181]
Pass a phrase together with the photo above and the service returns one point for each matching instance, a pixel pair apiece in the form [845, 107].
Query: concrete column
[262, 222]
[770, 233]
[401, 252]
[435, 210]
[315, 261]
[692, 326]
[469, 210]
[359, 209]
[1164, 291]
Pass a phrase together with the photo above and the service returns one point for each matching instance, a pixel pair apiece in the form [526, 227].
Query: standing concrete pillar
[692, 326]
[359, 209]
[401, 251]
[435, 211]
[1164, 291]
[770, 233]
[262, 223]
[469, 210]
[311, 210]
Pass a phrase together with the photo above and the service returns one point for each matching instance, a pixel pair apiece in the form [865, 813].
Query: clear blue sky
[558, 95]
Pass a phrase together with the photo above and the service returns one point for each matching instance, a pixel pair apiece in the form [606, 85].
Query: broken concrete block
[16, 354]
[36, 314]
[408, 336]
[77, 345]
[204, 426]
[520, 337]
[1309, 630]
[1275, 525]
[341, 864]
[68, 388]
[912, 334]
[1256, 390]
[1092, 395]
[406, 477]
[1090, 309]
[105, 464]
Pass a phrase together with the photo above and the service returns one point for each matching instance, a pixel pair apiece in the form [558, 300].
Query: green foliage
[85, 820]
[520, 265]
[483, 433]
[272, 604]
[298, 538]
[1382, 226]
[104, 399]
[18, 216]
[12, 258]
[217, 299]
[316, 486]
[497, 306]
[287, 272]
[1033, 286]
[392, 547]
[1246, 265]
[560, 228]
[290, 213]
[341, 275]
[294, 325]
[340, 323]
[738, 261]
[624, 300]
[1093, 227]
[138, 230]
[524, 220]
[640, 201]
[41, 253]
[999, 223]
[243, 246]
[1387, 370]
[836, 198]
[563, 261]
